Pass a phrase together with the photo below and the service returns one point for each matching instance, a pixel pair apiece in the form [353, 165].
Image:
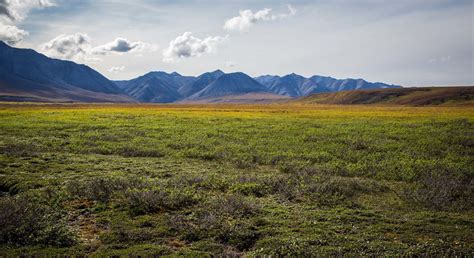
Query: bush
[228, 219]
[29, 223]
[102, 189]
[130, 151]
[312, 184]
[233, 206]
[345, 186]
[250, 188]
[441, 190]
[154, 200]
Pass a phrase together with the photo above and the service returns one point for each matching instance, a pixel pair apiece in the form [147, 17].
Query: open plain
[277, 179]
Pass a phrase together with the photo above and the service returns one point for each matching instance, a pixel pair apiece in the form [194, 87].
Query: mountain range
[26, 75]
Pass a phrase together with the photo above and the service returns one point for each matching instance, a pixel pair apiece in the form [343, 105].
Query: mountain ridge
[229, 84]
[27, 74]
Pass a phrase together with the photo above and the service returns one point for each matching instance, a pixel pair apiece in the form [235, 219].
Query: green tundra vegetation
[280, 179]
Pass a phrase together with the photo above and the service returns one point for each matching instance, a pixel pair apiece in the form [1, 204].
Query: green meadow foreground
[236, 179]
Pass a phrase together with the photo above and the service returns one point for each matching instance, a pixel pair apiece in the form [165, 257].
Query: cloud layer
[247, 18]
[13, 11]
[186, 46]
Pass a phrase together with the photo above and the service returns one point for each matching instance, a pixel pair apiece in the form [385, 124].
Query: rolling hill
[398, 96]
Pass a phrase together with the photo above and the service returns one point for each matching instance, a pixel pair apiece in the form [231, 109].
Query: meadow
[279, 179]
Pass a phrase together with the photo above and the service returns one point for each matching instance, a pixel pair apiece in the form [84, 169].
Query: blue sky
[412, 43]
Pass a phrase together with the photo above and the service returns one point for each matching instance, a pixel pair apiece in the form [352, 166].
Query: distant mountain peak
[218, 71]
[229, 84]
[25, 72]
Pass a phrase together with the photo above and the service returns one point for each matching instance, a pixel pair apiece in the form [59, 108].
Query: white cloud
[247, 18]
[186, 45]
[11, 34]
[74, 46]
[12, 11]
[122, 45]
[19, 9]
[116, 69]
[229, 64]
[78, 47]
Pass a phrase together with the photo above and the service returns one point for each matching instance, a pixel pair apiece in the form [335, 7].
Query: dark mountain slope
[295, 85]
[200, 83]
[229, 84]
[24, 72]
[156, 87]
[348, 84]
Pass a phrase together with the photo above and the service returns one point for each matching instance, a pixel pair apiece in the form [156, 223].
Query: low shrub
[233, 205]
[158, 199]
[227, 219]
[130, 151]
[346, 186]
[250, 188]
[441, 190]
[30, 223]
[312, 184]
[102, 189]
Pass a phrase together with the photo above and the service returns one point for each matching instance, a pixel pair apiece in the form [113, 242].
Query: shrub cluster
[228, 219]
[297, 184]
[25, 222]
[138, 195]
[442, 190]
[144, 201]
[102, 189]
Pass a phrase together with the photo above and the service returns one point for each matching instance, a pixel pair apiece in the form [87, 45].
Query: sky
[404, 42]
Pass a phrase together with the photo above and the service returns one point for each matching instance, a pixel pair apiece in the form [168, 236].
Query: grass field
[236, 179]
